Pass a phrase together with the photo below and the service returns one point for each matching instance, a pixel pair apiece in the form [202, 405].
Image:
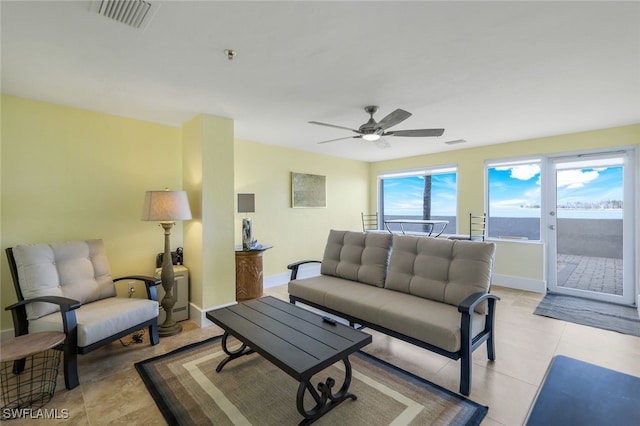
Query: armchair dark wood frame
[70, 346]
[468, 344]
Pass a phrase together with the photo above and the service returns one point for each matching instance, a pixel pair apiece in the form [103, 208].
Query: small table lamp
[167, 207]
[247, 204]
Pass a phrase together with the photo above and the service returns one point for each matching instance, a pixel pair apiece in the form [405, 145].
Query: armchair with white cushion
[67, 286]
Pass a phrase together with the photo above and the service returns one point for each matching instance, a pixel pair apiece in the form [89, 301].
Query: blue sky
[514, 191]
[512, 188]
[403, 196]
[590, 185]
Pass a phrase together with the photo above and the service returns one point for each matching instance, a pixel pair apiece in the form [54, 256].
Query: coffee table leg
[326, 400]
[243, 350]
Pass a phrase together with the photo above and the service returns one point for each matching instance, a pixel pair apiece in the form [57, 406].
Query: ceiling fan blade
[397, 116]
[339, 139]
[416, 133]
[334, 126]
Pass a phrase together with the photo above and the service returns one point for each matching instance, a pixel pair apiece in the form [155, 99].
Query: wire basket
[32, 387]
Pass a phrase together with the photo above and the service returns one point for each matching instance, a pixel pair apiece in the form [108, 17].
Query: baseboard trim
[305, 271]
[520, 283]
[276, 280]
[199, 316]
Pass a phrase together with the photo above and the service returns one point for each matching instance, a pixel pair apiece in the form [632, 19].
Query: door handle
[552, 227]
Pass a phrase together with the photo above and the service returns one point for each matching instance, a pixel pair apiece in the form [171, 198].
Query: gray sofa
[431, 292]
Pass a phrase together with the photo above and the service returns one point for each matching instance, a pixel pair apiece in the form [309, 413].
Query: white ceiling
[487, 72]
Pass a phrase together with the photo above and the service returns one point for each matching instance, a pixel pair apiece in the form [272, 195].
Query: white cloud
[522, 172]
[573, 179]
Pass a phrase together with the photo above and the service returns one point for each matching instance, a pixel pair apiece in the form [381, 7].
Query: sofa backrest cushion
[357, 256]
[78, 270]
[443, 270]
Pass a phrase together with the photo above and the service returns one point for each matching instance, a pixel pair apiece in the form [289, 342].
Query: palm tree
[426, 200]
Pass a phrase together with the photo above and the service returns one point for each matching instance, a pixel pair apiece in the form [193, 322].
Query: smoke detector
[134, 13]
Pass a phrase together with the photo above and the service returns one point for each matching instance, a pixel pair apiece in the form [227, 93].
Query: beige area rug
[252, 391]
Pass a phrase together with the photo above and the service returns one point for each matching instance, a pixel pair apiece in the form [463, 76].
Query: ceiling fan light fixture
[372, 137]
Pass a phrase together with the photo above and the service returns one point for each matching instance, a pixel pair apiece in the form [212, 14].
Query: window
[420, 194]
[514, 199]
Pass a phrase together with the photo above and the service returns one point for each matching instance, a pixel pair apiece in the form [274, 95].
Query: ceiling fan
[373, 131]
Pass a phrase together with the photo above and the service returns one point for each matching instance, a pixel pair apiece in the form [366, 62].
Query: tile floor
[111, 391]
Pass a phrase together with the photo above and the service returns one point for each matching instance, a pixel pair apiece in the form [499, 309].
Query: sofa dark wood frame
[468, 343]
[70, 346]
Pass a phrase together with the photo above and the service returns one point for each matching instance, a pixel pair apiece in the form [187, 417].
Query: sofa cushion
[350, 297]
[101, 319]
[442, 270]
[76, 269]
[428, 321]
[357, 256]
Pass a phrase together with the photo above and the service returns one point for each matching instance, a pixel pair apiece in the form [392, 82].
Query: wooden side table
[29, 369]
[249, 273]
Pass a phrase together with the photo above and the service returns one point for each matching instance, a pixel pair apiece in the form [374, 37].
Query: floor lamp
[167, 207]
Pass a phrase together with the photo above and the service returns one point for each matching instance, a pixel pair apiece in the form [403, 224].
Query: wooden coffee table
[295, 340]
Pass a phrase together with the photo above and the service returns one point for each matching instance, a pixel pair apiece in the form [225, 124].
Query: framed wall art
[308, 191]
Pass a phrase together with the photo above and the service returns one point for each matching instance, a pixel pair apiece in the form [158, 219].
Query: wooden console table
[249, 274]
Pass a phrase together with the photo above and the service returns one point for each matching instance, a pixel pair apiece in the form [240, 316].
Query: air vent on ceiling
[457, 141]
[135, 13]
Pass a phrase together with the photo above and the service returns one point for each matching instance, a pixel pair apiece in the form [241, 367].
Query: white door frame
[548, 223]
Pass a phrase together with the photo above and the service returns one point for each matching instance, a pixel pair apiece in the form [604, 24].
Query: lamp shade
[246, 203]
[166, 206]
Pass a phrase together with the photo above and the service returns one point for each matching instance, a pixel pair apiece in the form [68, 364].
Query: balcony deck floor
[599, 274]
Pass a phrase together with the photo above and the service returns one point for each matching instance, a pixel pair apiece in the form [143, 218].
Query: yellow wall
[522, 259]
[297, 233]
[70, 174]
[208, 147]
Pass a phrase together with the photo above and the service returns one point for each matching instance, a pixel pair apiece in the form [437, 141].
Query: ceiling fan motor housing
[369, 127]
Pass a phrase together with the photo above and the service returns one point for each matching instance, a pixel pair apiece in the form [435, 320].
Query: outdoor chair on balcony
[67, 287]
[477, 228]
[369, 222]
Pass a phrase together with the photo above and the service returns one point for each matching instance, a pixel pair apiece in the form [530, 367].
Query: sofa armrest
[150, 284]
[294, 267]
[466, 308]
[468, 305]
[19, 312]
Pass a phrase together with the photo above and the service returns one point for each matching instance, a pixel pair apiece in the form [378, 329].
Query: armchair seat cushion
[101, 319]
